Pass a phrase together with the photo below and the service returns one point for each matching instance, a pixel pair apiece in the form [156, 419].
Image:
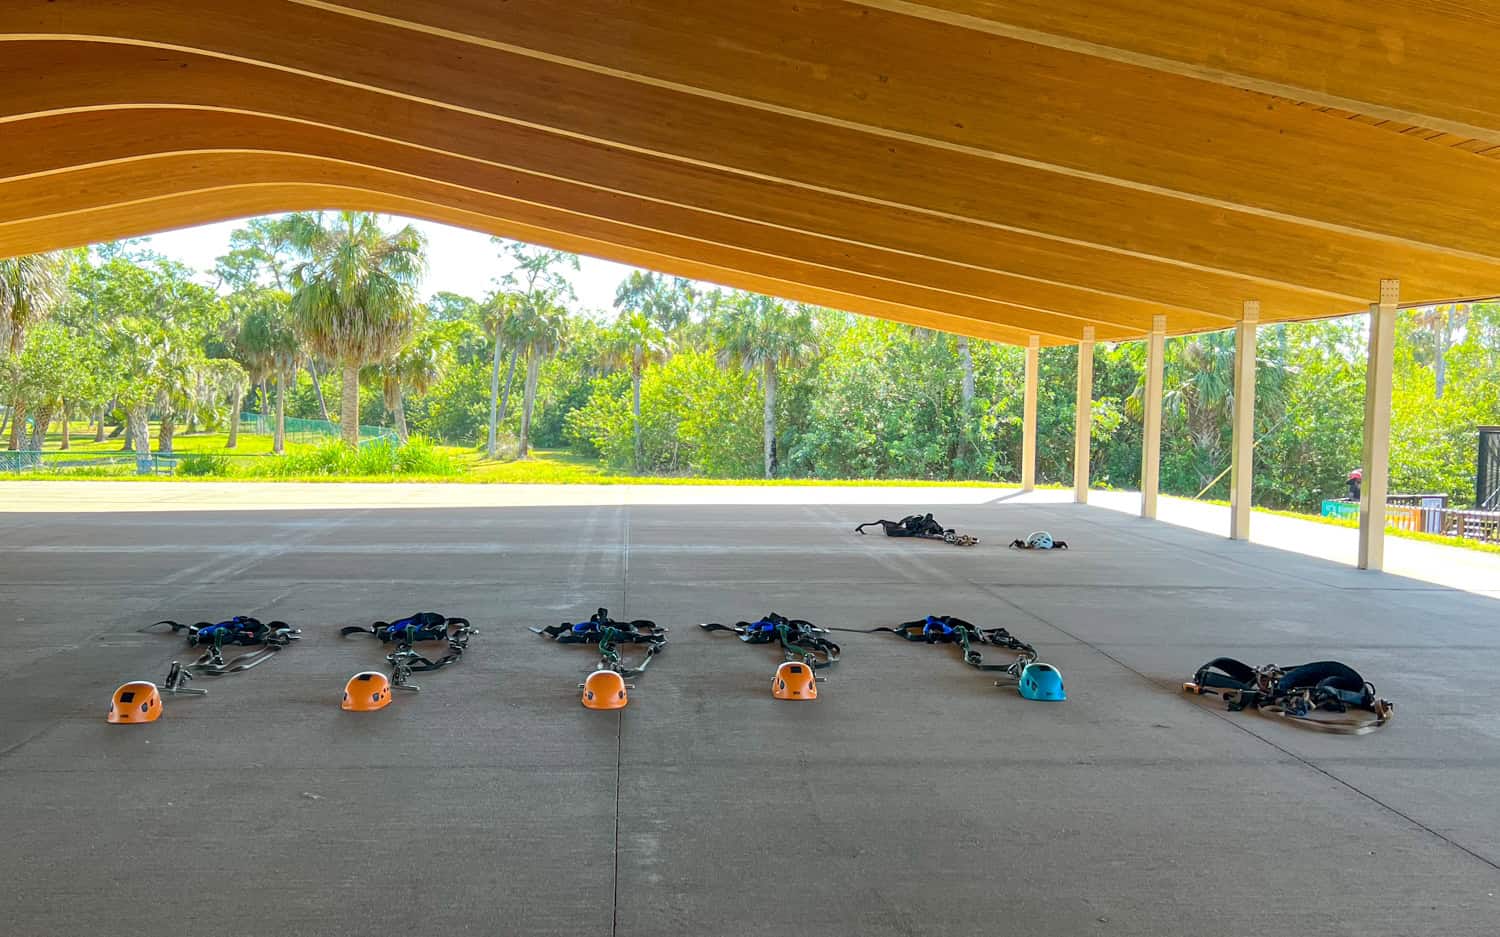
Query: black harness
[922, 526]
[947, 629]
[239, 631]
[405, 632]
[611, 636]
[1295, 693]
[800, 640]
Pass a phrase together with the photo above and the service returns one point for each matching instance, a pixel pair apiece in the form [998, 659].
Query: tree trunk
[635, 387]
[349, 406]
[265, 399]
[317, 379]
[67, 428]
[139, 438]
[966, 361]
[533, 371]
[165, 432]
[17, 425]
[234, 420]
[278, 438]
[510, 375]
[38, 437]
[4, 422]
[770, 418]
[192, 426]
[99, 431]
[494, 401]
[398, 412]
[1439, 364]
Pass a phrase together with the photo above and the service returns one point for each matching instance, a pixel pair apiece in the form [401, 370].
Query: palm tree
[269, 344]
[634, 342]
[31, 287]
[761, 333]
[535, 283]
[416, 368]
[229, 381]
[494, 315]
[539, 332]
[355, 298]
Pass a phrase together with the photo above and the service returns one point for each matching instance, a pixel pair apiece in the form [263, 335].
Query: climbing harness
[241, 631]
[800, 640]
[1033, 679]
[404, 660]
[922, 526]
[1295, 693]
[1039, 540]
[611, 636]
[947, 629]
[213, 637]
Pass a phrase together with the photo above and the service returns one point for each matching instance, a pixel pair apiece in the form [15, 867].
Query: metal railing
[307, 431]
[30, 460]
[1469, 524]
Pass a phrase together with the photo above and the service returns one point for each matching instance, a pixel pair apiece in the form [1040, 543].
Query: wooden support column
[1156, 347]
[1376, 461]
[1242, 446]
[1028, 415]
[1083, 416]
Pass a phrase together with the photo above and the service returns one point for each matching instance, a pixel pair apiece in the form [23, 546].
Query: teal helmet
[1039, 540]
[1042, 682]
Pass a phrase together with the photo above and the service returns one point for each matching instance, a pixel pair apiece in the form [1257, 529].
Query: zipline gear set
[1039, 540]
[920, 525]
[404, 659]
[240, 631]
[137, 701]
[1036, 681]
[1295, 692]
[800, 640]
[611, 636]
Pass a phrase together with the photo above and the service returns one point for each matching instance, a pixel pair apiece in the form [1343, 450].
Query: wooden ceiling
[1003, 169]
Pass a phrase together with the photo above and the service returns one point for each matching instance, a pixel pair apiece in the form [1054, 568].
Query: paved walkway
[1453, 567]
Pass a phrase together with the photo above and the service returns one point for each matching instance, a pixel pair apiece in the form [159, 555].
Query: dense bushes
[380, 457]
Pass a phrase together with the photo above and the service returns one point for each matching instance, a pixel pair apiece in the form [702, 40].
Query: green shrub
[203, 463]
[377, 457]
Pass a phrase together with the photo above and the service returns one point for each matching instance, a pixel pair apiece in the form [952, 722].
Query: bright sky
[458, 261]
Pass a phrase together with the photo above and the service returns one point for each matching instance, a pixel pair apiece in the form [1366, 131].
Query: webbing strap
[949, 629]
[800, 640]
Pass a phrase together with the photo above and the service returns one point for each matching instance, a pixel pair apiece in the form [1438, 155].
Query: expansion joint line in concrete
[1238, 724]
[614, 911]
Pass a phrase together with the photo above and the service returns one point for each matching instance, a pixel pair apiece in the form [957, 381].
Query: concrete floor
[912, 798]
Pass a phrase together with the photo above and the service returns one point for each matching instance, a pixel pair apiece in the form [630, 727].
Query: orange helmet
[137, 701]
[794, 681]
[604, 689]
[367, 692]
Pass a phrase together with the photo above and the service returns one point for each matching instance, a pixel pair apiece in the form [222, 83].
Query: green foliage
[417, 456]
[203, 463]
[694, 418]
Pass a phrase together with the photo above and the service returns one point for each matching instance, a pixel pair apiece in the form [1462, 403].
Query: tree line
[317, 316]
